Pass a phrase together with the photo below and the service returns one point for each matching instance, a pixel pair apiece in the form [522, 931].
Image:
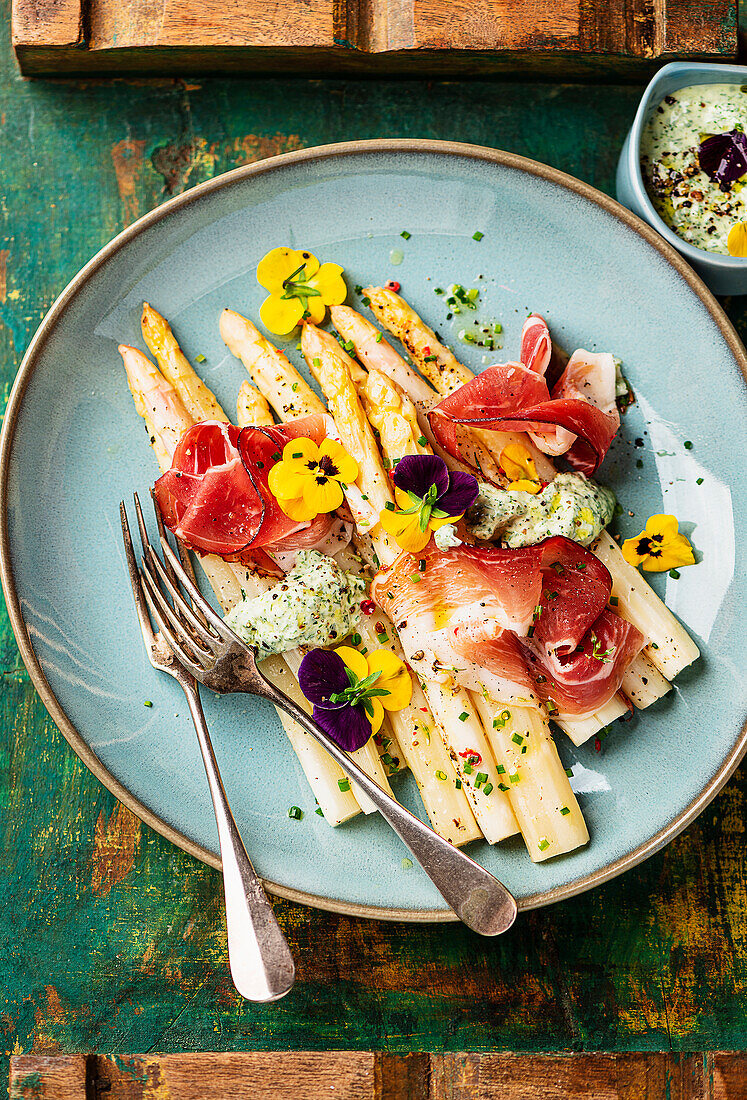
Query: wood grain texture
[371, 35]
[112, 940]
[340, 1075]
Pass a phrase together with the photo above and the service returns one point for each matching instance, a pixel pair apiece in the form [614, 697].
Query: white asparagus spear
[541, 800]
[167, 420]
[493, 814]
[280, 384]
[670, 648]
[197, 399]
[251, 407]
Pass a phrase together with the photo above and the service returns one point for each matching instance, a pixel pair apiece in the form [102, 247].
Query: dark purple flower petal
[723, 157]
[347, 726]
[460, 495]
[321, 674]
[416, 474]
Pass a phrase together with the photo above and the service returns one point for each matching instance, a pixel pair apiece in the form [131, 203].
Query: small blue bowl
[723, 274]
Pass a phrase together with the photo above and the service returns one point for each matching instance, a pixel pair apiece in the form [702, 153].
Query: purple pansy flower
[723, 157]
[428, 478]
[338, 698]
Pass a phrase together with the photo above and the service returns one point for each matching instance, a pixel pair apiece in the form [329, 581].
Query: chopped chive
[389, 505]
[387, 758]
[564, 811]
[366, 301]
[438, 290]
[276, 456]
[543, 844]
[147, 703]
[294, 387]
[319, 811]
[415, 578]
[503, 787]
[688, 445]
[202, 359]
[316, 362]
[514, 777]
[344, 784]
[422, 441]
[478, 236]
[297, 454]
[406, 864]
[674, 574]
[654, 645]
[516, 738]
[523, 749]
[467, 769]
[488, 788]
[440, 775]
[497, 328]
[699, 481]
[379, 337]
[458, 784]
[358, 289]
[614, 601]
[405, 234]
[430, 358]
[480, 778]
[463, 716]
[356, 639]
[295, 812]
[500, 769]
[569, 772]
[639, 463]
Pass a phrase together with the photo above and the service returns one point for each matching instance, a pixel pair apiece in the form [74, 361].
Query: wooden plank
[369, 35]
[340, 1075]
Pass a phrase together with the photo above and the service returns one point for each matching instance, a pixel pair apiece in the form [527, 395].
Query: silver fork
[261, 963]
[218, 658]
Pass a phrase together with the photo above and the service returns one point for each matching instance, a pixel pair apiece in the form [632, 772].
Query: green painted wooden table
[113, 940]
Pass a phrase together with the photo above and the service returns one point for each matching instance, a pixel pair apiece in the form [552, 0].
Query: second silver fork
[260, 959]
[218, 658]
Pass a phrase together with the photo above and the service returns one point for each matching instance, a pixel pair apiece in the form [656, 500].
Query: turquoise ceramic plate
[73, 446]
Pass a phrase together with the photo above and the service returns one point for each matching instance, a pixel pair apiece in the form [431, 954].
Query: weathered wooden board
[112, 940]
[365, 1075]
[422, 36]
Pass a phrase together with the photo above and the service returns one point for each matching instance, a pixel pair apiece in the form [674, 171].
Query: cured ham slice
[215, 497]
[511, 397]
[536, 345]
[511, 621]
[577, 683]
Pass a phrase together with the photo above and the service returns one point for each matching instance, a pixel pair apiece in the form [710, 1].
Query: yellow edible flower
[299, 289]
[736, 242]
[659, 546]
[394, 678]
[406, 525]
[309, 479]
[518, 465]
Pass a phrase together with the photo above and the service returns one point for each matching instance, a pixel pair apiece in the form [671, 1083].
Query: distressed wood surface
[365, 1075]
[111, 939]
[423, 36]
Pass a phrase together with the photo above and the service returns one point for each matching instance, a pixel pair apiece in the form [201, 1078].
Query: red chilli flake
[472, 756]
[368, 607]
[394, 285]
[597, 744]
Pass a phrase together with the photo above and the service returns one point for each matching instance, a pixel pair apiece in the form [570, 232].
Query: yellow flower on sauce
[411, 527]
[518, 465]
[300, 289]
[309, 479]
[736, 242]
[393, 678]
[659, 546]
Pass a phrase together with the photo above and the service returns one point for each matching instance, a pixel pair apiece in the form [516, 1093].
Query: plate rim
[30, 360]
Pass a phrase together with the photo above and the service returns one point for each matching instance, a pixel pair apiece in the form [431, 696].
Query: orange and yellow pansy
[300, 289]
[659, 547]
[309, 478]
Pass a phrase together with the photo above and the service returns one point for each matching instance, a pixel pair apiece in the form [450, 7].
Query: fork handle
[479, 900]
[261, 963]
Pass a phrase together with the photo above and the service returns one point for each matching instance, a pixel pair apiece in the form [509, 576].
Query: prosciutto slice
[521, 623]
[511, 397]
[536, 345]
[216, 499]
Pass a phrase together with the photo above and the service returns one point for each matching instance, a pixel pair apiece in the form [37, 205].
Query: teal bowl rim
[696, 256]
[29, 363]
